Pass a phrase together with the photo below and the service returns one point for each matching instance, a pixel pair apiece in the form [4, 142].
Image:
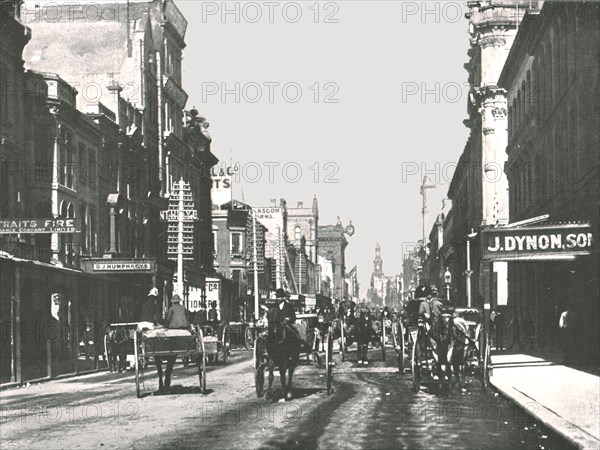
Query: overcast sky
[370, 92]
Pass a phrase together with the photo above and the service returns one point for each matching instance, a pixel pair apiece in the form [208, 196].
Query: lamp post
[447, 282]
[469, 272]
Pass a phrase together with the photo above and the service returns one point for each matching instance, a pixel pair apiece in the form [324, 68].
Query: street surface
[372, 407]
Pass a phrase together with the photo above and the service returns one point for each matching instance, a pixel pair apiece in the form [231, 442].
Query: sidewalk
[565, 399]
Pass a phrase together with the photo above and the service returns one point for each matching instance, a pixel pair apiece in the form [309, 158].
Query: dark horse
[169, 370]
[451, 343]
[283, 349]
[116, 348]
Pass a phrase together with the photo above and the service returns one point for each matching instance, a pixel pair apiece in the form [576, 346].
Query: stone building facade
[479, 187]
[552, 76]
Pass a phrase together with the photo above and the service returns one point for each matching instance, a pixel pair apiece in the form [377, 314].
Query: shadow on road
[181, 390]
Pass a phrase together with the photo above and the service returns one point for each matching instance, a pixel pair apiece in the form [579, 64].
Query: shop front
[550, 269]
[132, 279]
[44, 310]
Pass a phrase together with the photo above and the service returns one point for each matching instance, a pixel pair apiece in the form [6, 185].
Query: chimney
[273, 203]
[300, 205]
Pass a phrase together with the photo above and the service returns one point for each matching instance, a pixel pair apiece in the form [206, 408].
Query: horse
[441, 342]
[116, 343]
[461, 345]
[170, 364]
[283, 350]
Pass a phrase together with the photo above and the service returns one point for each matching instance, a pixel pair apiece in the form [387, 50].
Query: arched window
[524, 100]
[529, 90]
[518, 110]
[297, 233]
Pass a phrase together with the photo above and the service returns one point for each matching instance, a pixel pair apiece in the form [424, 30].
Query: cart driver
[284, 313]
[176, 316]
[431, 310]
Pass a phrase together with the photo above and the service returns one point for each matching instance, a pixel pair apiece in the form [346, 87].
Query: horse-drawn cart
[309, 335]
[164, 343]
[460, 344]
[477, 356]
[217, 340]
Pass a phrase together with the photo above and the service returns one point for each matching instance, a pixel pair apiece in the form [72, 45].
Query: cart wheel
[401, 344]
[259, 380]
[343, 340]
[259, 368]
[248, 338]
[416, 365]
[139, 366]
[329, 363]
[382, 340]
[487, 364]
[226, 345]
[201, 361]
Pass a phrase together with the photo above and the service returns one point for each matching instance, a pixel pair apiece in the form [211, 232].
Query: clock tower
[377, 262]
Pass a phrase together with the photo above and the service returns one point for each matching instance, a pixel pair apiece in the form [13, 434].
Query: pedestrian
[567, 324]
[88, 338]
[213, 314]
[364, 332]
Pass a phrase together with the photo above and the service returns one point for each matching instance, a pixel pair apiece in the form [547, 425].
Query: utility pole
[180, 216]
[469, 272]
[255, 264]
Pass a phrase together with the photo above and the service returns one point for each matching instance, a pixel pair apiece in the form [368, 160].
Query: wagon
[305, 324]
[217, 340]
[478, 361]
[423, 364]
[164, 343]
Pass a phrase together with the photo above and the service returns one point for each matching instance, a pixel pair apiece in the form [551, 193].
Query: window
[215, 249]
[91, 171]
[82, 165]
[236, 243]
[297, 233]
[84, 244]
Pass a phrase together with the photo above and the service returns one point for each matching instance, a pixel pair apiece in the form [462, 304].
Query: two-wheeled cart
[165, 344]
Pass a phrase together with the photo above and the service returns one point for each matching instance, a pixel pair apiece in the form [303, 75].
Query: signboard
[260, 248]
[172, 215]
[272, 219]
[222, 182]
[125, 265]
[29, 226]
[194, 302]
[551, 242]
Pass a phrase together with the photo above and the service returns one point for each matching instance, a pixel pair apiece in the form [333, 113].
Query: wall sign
[549, 242]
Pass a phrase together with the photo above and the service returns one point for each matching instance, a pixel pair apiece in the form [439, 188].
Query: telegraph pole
[180, 217]
[255, 264]
[180, 241]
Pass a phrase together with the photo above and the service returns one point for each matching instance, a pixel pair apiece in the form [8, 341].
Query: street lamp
[469, 272]
[447, 281]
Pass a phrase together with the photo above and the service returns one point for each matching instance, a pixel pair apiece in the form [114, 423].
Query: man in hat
[149, 307]
[283, 313]
[176, 316]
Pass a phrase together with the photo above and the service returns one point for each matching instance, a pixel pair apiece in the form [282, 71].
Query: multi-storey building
[95, 144]
[479, 188]
[331, 245]
[552, 76]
